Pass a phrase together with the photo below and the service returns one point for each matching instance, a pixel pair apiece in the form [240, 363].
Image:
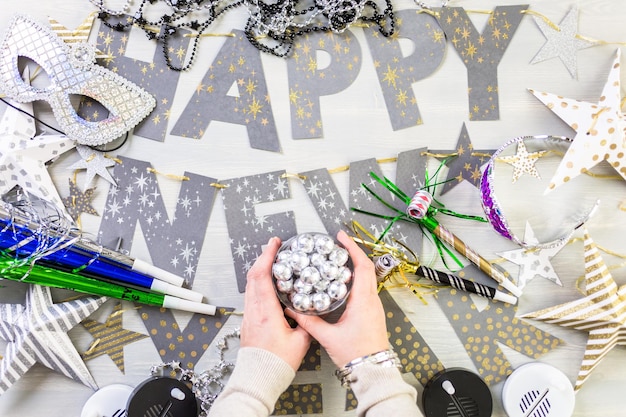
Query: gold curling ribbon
[92, 348]
[171, 176]
[397, 277]
[116, 160]
[290, 175]
[218, 185]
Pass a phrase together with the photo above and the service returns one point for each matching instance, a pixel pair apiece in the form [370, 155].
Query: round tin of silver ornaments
[312, 274]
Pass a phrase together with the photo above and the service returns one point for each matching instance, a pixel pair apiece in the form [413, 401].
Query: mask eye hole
[37, 76]
[89, 108]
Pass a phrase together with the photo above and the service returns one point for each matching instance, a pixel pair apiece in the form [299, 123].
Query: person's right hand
[361, 330]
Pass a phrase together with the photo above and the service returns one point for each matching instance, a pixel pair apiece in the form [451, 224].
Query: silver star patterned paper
[95, 162]
[36, 332]
[23, 156]
[175, 244]
[247, 231]
[534, 262]
[562, 41]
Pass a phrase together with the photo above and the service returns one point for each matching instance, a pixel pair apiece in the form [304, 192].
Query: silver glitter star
[95, 162]
[562, 42]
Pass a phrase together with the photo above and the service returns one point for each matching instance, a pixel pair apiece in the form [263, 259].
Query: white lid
[109, 401]
[538, 389]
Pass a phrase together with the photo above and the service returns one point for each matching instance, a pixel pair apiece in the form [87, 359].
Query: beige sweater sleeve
[381, 392]
[256, 383]
[260, 377]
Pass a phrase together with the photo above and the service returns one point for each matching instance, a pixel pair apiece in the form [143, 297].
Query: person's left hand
[264, 325]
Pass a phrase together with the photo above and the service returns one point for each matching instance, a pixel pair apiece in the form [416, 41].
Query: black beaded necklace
[272, 28]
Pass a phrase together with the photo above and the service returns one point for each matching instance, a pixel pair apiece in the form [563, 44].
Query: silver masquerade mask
[71, 71]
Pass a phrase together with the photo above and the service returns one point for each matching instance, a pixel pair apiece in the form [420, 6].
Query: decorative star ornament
[37, 332]
[600, 129]
[95, 162]
[79, 202]
[110, 337]
[523, 162]
[562, 41]
[534, 261]
[466, 164]
[23, 156]
[602, 312]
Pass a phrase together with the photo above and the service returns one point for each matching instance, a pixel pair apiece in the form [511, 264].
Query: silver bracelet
[385, 358]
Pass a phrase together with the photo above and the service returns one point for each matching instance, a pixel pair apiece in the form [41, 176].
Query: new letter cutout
[248, 231]
[308, 82]
[334, 213]
[155, 77]
[233, 90]
[174, 245]
[481, 53]
[396, 72]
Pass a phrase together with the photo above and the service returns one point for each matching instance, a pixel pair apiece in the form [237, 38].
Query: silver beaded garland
[312, 273]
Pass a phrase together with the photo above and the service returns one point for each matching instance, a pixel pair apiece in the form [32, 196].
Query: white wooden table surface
[356, 127]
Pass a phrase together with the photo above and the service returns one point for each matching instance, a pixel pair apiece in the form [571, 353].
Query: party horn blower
[494, 271]
[50, 277]
[420, 210]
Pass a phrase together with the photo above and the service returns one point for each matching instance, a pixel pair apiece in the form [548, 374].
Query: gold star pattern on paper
[304, 71]
[481, 52]
[523, 162]
[602, 312]
[600, 129]
[110, 337]
[464, 163]
[79, 202]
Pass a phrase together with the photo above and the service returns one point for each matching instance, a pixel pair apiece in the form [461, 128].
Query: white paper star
[600, 130]
[95, 162]
[562, 42]
[23, 156]
[602, 312]
[534, 262]
[523, 162]
[37, 332]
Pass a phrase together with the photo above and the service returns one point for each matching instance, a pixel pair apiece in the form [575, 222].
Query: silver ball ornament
[337, 290]
[302, 286]
[317, 259]
[321, 285]
[324, 244]
[283, 256]
[282, 271]
[339, 256]
[310, 275]
[299, 260]
[285, 286]
[301, 302]
[321, 301]
[305, 242]
[329, 270]
[345, 275]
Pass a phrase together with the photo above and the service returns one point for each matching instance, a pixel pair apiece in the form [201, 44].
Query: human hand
[264, 325]
[362, 329]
